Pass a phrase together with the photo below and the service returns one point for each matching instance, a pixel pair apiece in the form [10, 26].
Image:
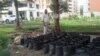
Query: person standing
[45, 22]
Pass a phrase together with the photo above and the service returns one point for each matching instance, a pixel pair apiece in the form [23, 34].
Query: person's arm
[43, 20]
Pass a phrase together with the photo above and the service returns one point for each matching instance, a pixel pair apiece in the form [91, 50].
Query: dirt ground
[17, 50]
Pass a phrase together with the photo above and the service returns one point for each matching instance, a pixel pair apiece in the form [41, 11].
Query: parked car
[8, 19]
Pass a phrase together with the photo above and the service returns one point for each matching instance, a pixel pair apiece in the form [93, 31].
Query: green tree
[18, 25]
[63, 5]
[3, 4]
[6, 3]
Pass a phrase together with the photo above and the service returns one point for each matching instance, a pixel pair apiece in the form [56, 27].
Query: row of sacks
[67, 46]
[58, 44]
[94, 47]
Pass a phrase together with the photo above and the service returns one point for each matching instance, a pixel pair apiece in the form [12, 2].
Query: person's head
[46, 12]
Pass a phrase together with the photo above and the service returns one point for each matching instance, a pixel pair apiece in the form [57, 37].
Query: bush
[4, 40]
[73, 17]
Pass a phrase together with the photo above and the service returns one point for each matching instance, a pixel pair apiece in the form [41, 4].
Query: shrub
[4, 40]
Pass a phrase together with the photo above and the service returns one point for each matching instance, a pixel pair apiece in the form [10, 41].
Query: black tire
[7, 21]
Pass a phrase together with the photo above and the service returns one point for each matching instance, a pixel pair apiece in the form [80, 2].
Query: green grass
[4, 41]
[79, 24]
[84, 25]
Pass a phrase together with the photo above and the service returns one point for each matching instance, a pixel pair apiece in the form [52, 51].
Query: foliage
[52, 7]
[73, 16]
[4, 3]
[92, 14]
[3, 41]
[63, 5]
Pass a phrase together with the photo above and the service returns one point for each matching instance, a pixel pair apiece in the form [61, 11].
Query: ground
[22, 51]
[76, 25]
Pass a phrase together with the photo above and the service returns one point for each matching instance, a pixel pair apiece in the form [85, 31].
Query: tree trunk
[17, 15]
[56, 11]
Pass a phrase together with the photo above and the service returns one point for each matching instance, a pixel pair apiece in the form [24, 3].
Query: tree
[58, 6]
[18, 26]
[6, 3]
[55, 8]
[63, 5]
[17, 15]
[3, 4]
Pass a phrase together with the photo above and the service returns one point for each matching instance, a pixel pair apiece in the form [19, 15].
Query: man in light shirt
[45, 21]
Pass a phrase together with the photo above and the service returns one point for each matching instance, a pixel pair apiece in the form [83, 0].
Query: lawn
[81, 24]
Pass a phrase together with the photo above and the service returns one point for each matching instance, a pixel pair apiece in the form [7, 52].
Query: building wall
[95, 5]
[74, 7]
[43, 4]
[71, 6]
[89, 6]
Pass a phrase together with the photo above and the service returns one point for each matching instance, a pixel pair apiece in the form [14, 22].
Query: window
[30, 5]
[10, 13]
[22, 5]
[69, 7]
[12, 16]
[37, 13]
[69, 4]
[31, 14]
[37, 6]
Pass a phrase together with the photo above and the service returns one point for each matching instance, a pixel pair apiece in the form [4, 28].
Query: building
[88, 7]
[95, 7]
[27, 9]
[83, 5]
[71, 6]
[42, 5]
[75, 6]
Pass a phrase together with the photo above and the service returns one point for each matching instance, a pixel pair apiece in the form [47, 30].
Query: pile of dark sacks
[63, 44]
[94, 47]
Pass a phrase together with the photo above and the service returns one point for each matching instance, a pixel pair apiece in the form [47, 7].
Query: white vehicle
[9, 18]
